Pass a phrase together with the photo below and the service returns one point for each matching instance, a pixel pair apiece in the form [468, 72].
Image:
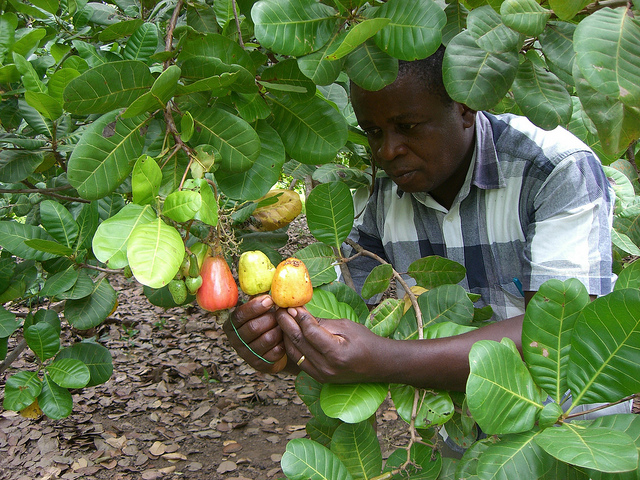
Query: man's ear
[468, 115]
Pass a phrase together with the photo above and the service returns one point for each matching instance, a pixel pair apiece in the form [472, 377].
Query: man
[494, 193]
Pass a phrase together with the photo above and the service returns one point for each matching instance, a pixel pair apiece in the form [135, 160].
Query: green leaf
[96, 357]
[425, 464]
[352, 402]
[105, 155]
[182, 205]
[80, 289]
[145, 180]
[293, 28]
[123, 28]
[13, 236]
[487, 29]
[433, 271]
[599, 448]
[629, 424]
[305, 459]
[20, 390]
[208, 212]
[319, 260]
[8, 323]
[612, 74]
[49, 246]
[107, 87]
[43, 339]
[541, 96]
[316, 66]
[371, 68]
[514, 453]
[92, 310]
[377, 281]
[474, 77]
[312, 132]
[285, 76]
[142, 43]
[330, 213]
[325, 305]
[567, 9]
[69, 373]
[155, 251]
[501, 394]
[557, 45]
[110, 240]
[414, 31]
[47, 105]
[524, 16]
[546, 333]
[604, 365]
[384, 319]
[237, 142]
[58, 222]
[56, 402]
[59, 282]
[16, 165]
[87, 221]
[433, 407]
[347, 295]
[624, 243]
[356, 35]
[356, 445]
[308, 389]
[629, 277]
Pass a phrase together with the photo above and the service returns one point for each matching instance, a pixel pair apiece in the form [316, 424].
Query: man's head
[417, 134]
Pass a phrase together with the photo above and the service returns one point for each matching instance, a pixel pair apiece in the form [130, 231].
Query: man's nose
[391, 146]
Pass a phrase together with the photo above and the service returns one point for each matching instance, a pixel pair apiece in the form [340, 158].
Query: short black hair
[429, 70]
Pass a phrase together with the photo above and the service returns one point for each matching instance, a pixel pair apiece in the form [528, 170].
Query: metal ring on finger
[302, 359]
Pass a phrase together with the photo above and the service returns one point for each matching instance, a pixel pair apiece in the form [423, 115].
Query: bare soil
[180, 404]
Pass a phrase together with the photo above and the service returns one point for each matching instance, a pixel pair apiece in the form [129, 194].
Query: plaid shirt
[535, 205]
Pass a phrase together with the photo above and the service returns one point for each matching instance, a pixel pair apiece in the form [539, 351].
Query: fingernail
[293, 312]
[267, 301]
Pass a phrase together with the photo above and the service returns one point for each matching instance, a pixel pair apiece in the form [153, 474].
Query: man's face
[423, 144]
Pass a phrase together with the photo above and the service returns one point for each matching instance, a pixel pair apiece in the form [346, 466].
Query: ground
[180, 404]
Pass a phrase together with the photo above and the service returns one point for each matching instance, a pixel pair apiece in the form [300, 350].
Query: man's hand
[335, 351]
[257, 337]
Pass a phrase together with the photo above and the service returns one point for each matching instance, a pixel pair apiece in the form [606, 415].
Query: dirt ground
[180, 404]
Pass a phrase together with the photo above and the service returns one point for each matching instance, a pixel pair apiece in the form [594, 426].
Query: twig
[168, 44]
[36, 190]
[100, 269]
[235, 14]
[601, 407]
[11, 357]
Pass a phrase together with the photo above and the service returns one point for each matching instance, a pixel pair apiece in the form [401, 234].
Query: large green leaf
[330, 213]
[8, 323]
[600, 448]
[356, 445]
[377, 281]
[474, 77]
[629, 277]
[182, 205]
[567, 9]
[69, 373]
[384, 319]
[13, 236]
[352, 402]
[606, 45]
[107, 87]
[325, 305]
[82, 287]
[16, 165]
[305, 459]
[96, 357]
[146, 178]
[237, 142]
[557, 45]
[20, 390]
[501, 394]
[111, 237]
[432, 271]
[629, 424]
[293, 27]
[371, 68]
[105, 154]
[319, 260]
[546, 333]
[524, 16]
[514, 456]
[357, 35]
[58, 222]
[425, 464]
[414, 31]
[541, 96]
[142, 43]
[486, 27]
[605, 349]
[433, 407]
[43, 340]
[90, 311]
[155, 251]
[312, 131]
[56, 402]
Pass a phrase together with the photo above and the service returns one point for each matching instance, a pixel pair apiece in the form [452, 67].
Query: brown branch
[168, 44]
[601, 407]
[11, 357]
[36, 190]
[100, 269]
[235, 14]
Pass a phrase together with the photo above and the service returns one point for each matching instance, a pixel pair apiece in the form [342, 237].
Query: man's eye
[407, 126]
[371, 132]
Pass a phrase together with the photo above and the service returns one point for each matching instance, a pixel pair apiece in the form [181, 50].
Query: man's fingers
[253, 308]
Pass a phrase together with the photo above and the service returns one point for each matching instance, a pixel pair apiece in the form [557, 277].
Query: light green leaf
[377, 281]
[356, 445]
[47, 105]
[524, 16]
[596, 38]
[56, 402]
[330, 213]
[92, 310]
[305, 459]
[208, 212]
[20, 390]
[96, 357]
[319, 260]
[358, 34]
[487, 29]
[107, 87]
[629, 277]
[182, 205]
[325, 305]
[605, 347]
[105, 155]
[414, 31]
[600, 448]
[315, 65]
[433, 407]
[110, 241]
[145, 180]
[49, 246]
[58, 222]
[155, 251]
[567, 9]
[624, 243]
[69, 373]
[384, 319]
[546, 333]
[293, 28]
[352, 402]
[43, 340]
[312, 132]
[433, 271]
[501, 394]
[474, 77]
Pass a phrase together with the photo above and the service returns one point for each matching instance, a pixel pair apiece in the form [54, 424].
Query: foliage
[132, 131]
